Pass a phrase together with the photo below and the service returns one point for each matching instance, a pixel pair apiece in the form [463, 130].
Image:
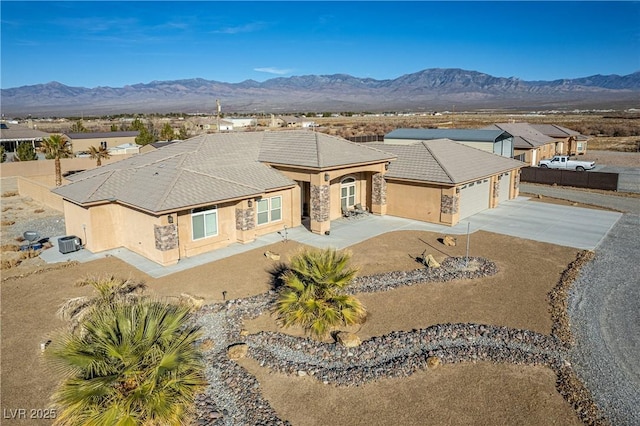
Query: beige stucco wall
[78, 145]
[34, 169]
[417, 201]
[40, 191]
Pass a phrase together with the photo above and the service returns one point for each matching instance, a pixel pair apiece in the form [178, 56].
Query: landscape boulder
[271, 255]
[431, 262]
[348, 340]
[448, 240]
[237, 351]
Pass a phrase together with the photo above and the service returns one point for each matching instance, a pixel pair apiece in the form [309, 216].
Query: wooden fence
[594, 180]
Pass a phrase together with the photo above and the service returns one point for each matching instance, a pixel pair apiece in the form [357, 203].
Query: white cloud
[272, 70]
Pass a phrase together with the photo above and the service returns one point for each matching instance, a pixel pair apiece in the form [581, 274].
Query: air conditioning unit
[69, 244]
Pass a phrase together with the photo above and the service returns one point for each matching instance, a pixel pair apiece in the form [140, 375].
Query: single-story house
[494, 141]
[80, 142]
[217, 189]
[213, 190]
[529, 145]
[303, 122]
[242, 122]
[441, 181]
[126, 148]
[12, 135]
[568, 142]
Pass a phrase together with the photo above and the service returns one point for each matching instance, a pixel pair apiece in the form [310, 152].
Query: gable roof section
[479, 135]
[445, 162]
[15, 132]
[316, 150]
[525, 135]
[554, 130]
[202, 170]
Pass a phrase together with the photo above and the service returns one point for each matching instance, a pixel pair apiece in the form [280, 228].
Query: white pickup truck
[563, 162]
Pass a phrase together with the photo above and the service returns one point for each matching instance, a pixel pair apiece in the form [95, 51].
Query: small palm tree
[98, 154]
[135, 364]
[56, 147]
[312, 296]
[109, 289]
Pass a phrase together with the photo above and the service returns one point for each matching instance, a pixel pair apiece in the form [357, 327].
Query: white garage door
[505, 183]
[474, 197]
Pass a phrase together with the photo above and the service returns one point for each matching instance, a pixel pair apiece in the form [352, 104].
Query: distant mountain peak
[425, 90]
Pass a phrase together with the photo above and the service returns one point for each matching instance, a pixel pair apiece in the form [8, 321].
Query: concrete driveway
[577, 227]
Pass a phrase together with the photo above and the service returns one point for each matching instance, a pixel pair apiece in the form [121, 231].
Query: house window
[348, 193]
[204, 222]
[269, 210]
[103, 144]
[580, 146]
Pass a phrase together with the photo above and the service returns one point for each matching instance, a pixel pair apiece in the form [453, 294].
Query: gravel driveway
[604, 309]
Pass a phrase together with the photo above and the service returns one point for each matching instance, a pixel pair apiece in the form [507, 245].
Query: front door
[348, 193]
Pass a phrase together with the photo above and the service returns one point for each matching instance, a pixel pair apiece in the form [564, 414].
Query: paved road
[604, 310]
[617, 202]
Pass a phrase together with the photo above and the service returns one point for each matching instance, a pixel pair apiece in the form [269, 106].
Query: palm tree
[312, 296]
[98, 154]
[135, 364]
[56, 147]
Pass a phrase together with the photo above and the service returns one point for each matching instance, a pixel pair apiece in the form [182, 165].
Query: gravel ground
[604, 310]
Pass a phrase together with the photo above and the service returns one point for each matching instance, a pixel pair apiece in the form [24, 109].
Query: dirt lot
[480, 393]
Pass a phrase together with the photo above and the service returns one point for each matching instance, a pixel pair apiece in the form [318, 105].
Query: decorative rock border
[233, 396]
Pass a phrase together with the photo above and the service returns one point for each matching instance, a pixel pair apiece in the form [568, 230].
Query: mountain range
[433, 89]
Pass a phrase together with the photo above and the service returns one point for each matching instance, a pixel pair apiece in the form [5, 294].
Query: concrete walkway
[562, 225]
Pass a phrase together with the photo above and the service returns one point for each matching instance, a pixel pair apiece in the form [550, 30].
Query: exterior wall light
[326, 177]
[457, 190]
[250, 203]
[170, 219]
[386, 165]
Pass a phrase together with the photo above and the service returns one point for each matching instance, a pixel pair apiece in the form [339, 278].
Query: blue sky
[101, 43]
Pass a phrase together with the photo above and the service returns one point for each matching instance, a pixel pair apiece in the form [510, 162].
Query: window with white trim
[347, 193]
[269, 210]
[204, 222]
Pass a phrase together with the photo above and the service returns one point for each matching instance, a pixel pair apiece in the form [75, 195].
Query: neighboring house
[494, 141]
[155, 145]
[11, 135]
[441, 181]
[127, 148]
[301, 122]
[80, 142]
[242, 122]
[225, 125]
[214, 190]
[529, 145]
[568, 142]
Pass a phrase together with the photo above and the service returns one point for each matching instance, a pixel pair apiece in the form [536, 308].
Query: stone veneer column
[245, 223]
[320, 208]
[378, 194]
[166, 237]
[516, 182]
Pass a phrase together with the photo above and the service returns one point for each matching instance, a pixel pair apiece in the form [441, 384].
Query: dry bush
[10, 247]
[38, 211]
[19, 238]
[9, 194]
[10, 263]
[7, 222]
[4, 209]
[29, 254]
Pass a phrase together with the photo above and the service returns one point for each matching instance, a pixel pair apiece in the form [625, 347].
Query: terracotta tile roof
[445, 161]
[16, 132]
[526, 135]
[206, 169]
[316, 150]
